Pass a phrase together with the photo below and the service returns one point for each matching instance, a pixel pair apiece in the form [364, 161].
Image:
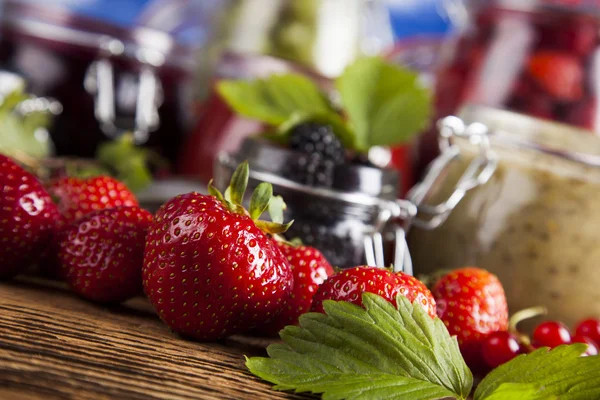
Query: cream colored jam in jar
[521, 200]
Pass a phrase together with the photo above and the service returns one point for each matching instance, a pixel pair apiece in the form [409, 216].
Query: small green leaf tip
[273, 228]
[261, 197]
[276, 208]
[213, 191]
[239, 183]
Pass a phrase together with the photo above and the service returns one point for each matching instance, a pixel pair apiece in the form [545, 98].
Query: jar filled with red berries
[538, 58]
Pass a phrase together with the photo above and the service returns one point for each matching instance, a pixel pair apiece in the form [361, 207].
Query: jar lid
[357, 184]
[507, 128]
[68, 26]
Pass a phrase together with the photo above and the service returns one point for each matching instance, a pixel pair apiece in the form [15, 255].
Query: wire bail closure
[397, 216]
[403, 214]
[99, 81]
[478, 173]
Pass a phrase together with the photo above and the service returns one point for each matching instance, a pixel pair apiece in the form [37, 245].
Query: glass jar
[356, 221]
[538, 58]
[110, 76]
[526, 209]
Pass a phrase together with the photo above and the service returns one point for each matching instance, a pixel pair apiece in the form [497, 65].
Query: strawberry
[472, 304]
[27, 218]
[210, 268]
[310, 269]
[559, 74]
[101, 255]
[77, 197]
[349, 285]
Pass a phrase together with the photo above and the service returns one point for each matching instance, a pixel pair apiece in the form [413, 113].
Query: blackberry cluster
[322, 150]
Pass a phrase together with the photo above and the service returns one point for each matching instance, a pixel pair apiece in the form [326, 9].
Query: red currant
[551, 334]
[592, 350]
[590, 328]
[500, 347]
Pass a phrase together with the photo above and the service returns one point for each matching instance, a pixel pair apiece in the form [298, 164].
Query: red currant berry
[500, 347]
[592, 350]
[590, 328]
[551, 334]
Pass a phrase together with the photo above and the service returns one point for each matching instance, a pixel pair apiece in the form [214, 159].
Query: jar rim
[514, 130]
[76, 31]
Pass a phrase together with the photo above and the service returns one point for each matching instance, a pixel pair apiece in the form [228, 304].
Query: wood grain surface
[54, 345]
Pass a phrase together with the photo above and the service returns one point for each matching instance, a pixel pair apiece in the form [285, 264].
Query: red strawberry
[101, 255]
[77, 197]
[209, 270]
[349, 285]
[472, 304]
[310, 269]
[27, 218]
[559, 74]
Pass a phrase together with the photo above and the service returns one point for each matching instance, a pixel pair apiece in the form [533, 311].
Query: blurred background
[76, 74]
[92, 70]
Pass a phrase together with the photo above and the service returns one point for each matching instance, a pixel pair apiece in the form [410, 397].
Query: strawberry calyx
[262, 199]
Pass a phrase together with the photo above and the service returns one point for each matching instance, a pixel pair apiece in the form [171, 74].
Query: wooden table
[54, 345]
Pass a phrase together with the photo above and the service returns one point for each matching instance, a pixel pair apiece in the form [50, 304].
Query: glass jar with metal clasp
[111, 74]
[517, 196]
[358, 220]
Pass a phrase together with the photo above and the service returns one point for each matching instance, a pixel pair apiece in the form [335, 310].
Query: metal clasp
[99, 81]
[477, 173]
[399, 214]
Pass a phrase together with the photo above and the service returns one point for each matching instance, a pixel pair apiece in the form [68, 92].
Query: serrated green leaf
[385, 103]
[275, 99]
[276, 208]
[239, 183]
[560, 372]
[260, 200]
[364, 353]
[521, 391]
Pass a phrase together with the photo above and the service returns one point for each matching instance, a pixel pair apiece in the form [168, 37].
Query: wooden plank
[54, 345]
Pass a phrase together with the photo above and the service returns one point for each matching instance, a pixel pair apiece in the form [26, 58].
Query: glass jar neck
[508, 129]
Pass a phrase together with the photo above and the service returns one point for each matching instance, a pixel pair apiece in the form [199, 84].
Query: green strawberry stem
[520, 316]
[262, 199]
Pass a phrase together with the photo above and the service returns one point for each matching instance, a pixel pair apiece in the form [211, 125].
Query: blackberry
[321, 152]
[317, 140]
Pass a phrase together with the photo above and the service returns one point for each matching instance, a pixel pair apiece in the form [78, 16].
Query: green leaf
[239, 183]
[213, 191]
[276, 208]
[385, 103]
[227, 194]
[273, 227]
[275, 99]
[521, 391]
[128, 162]
[336, 122]
[366, 353]
[560, 373]
[261, 197]
[18, 138]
